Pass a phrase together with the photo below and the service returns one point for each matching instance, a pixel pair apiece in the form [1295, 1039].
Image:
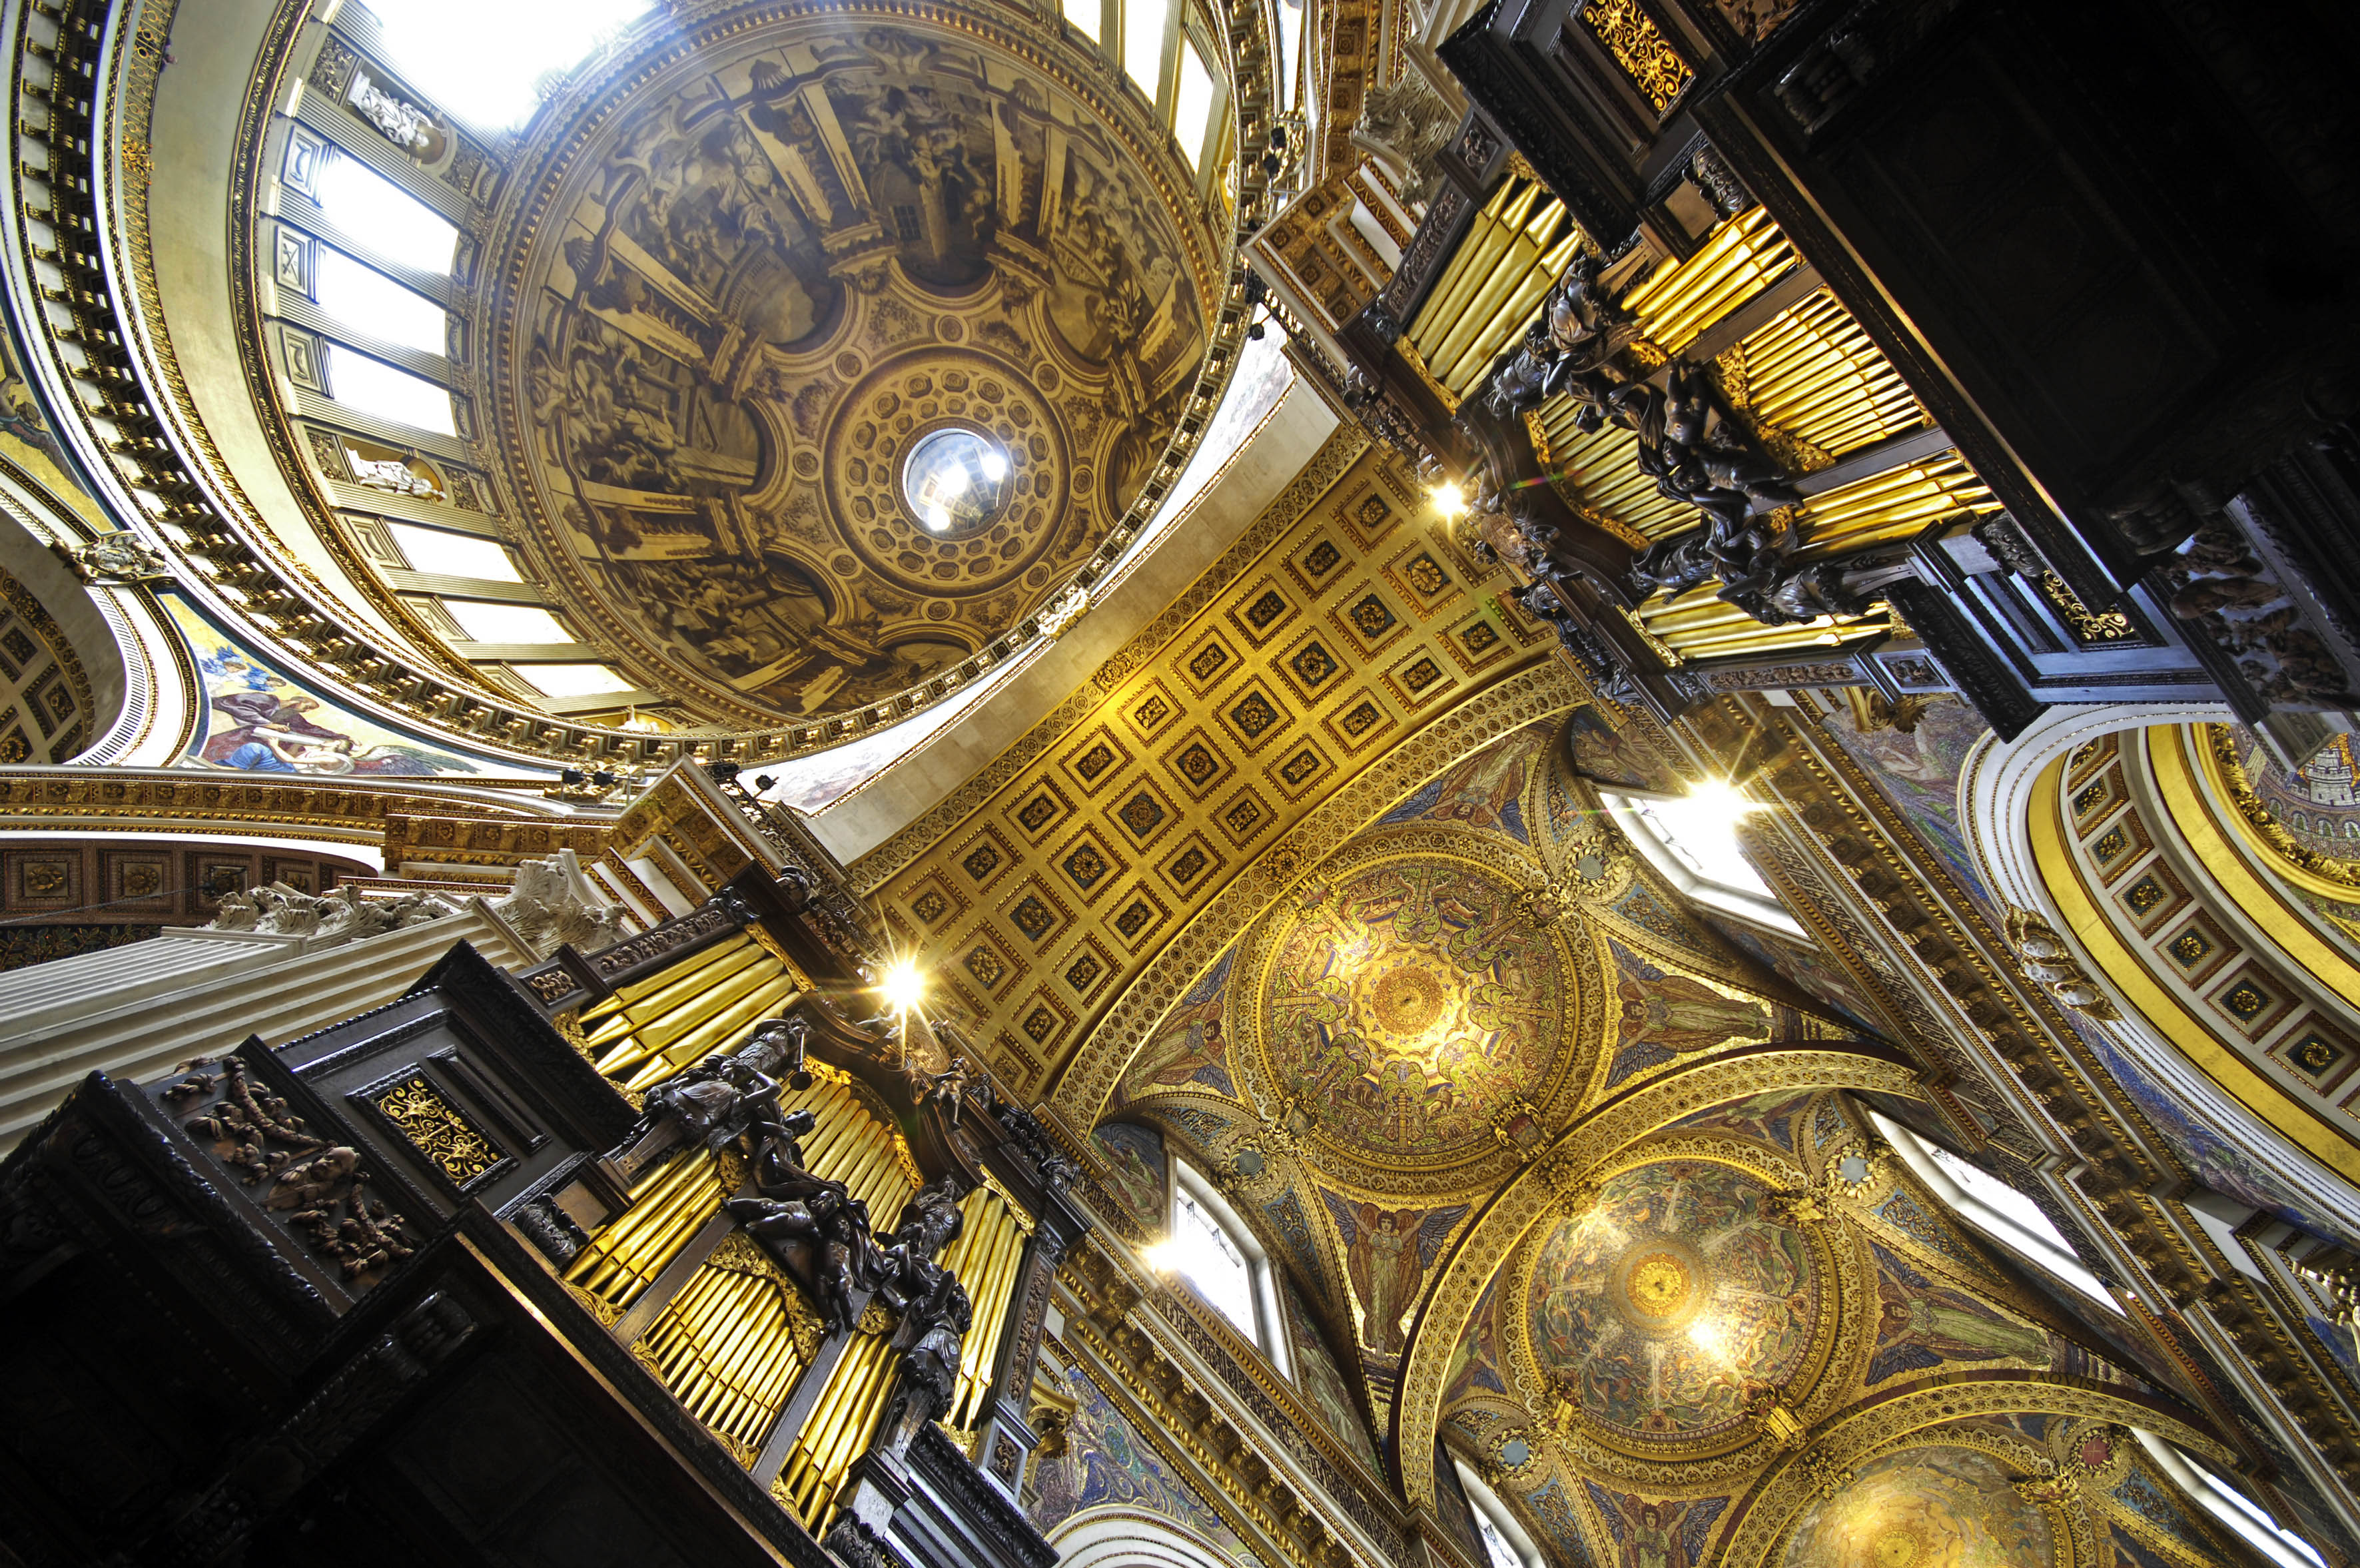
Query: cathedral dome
[766, 274]
[1418, 1013]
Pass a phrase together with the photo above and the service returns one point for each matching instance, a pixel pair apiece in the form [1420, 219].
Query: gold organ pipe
[732, 958]
[841, 1423]
[1683, 298]
[676, 975]
[718, 1033]
[1504, 305]
[860, 1176]
[1891, 506]
[1000, 1251]
[1814, 374]
[731, 1026]
[692, 1012]
[1469, 265]
[726, 1347]
[725, 1356]
[874, 1183]
[1513, 252]
[628, 1254]
[647, 1040]
[618, 1244]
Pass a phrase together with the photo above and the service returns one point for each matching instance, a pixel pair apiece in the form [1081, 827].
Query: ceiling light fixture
[1449, 499]
[903, 987]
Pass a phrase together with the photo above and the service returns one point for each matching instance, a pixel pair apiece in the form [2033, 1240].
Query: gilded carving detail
[438, 1129]
[1639, 47]
[2089, 625]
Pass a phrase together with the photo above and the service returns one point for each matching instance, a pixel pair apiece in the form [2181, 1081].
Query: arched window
[375, 214]
[1209, 1250]
[1691, 841]
[2243, 1518]
[1166, 49]
[359, 296]
[512, 49]
[1505, 1541]
[1996, 1209]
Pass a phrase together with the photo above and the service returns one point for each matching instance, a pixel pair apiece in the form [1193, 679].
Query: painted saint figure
[1681, 1013]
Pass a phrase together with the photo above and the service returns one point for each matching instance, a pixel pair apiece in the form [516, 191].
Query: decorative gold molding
[1538, 692]
[1326, 468]
[35, 614]
[2328, 874]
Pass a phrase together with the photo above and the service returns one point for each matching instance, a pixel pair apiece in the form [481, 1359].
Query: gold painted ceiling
[753, 281]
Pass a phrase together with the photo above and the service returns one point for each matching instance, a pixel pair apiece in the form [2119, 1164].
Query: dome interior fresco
[1944, 1507]
[1371, 1070]
[1421, 1015]
[1680, 1295]
[749, 290]
[1407, 1003]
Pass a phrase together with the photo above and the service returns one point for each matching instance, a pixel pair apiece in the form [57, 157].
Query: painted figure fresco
[1484, 792]
[1682, 1014]
[781, 274]
[1770, 1118]
[1659, 1310]
[1933, 1507]
[1108, 1465]
[1922, 1323]
[1609, 754]
[1474, 1366]
[1387, 1253]
[259, 721]
[1189, 1046]
[1657, 1532]
[1136, 1170]
[1918, 769]
[1322, 1380]
[28, 441]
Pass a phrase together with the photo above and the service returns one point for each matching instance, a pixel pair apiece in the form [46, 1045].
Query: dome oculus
[955, 480]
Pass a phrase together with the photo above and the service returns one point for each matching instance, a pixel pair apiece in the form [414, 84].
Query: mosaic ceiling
[1410, 1026]
[753, 290]
[1407, 1002]
[1421, 1076]
[1679, 1296]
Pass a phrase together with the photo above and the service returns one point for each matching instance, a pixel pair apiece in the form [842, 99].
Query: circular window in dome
[955, 480]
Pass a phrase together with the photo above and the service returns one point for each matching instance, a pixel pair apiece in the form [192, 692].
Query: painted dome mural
[751, 292]
[1659, 1312]
[1924, 1508]
[1409, 1003]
